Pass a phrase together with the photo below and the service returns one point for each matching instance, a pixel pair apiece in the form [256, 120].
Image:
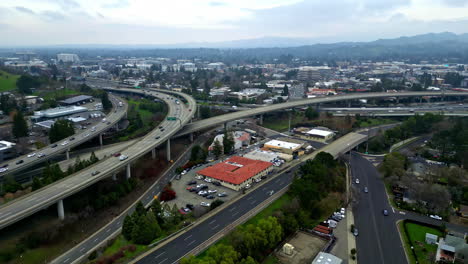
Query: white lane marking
[403, 213]
[81, 250]
[188, 237]
[232, 209]
[191, 243]
[160, 255]
[96, 239]
[393, 209]
[163, 260]
[118, 223]
[65, 261]
[213, 228]
[250, 198]
[108, 230]
[234, 214]
[254, 201]
[212, 222]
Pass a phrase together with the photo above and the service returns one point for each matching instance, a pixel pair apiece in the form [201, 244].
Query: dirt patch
[306, 247]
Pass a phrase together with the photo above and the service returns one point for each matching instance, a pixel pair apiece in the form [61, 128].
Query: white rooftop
[6, 145]
[283, 144]
[319, 132]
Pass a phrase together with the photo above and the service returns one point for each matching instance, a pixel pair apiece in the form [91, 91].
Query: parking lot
[186, 197]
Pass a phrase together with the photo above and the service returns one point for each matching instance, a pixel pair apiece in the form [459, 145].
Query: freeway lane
[218, 120]
[115, 115]
[29, 204]
[176, 249]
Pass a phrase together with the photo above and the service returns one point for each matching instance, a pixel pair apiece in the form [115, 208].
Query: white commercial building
[7, 150]
[320, 135]
[56, 113]
[66, 57]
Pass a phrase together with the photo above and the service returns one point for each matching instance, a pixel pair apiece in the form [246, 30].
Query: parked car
[208, 180]
[199, 177]
[223, 194]
[212, 191]
[192, 182]
[216, 183]
[355, 232]
[342, 210]
[247, 186]
[357, 181]
[258, 180]
[210, 197]
[205, 204]
[190, 206]
[189, 188]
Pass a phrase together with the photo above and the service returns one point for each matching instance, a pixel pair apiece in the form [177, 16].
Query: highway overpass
[56, 192]
[116, 114]
[219, 120]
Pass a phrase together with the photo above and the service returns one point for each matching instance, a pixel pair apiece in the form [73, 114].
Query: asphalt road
[379, 240]
[43, 198]
[85, 135]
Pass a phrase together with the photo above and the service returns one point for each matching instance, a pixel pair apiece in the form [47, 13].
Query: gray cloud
[52, 15]
[67, 4]
[456, 3]
[25, 10]
[217, 4]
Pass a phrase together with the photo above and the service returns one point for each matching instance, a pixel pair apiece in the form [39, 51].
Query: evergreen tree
[285, 90]
[106, 103]
[140, 209]
[228, 142]
[311, 113]
[37, 184]
[127, 227]
[61, 129]
[217, 149]
[20, 127]
[93, 159]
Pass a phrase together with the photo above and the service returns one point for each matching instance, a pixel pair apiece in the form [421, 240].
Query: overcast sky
[44, 22]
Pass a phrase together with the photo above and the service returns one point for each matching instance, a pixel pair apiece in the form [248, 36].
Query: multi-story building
[67, 57]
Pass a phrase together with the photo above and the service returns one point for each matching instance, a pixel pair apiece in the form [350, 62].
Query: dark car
[71, 139]
[116, 154]
[53, 145]
[158, 137]
[190, 206]
[19, 161]
[4, 166]
[217, 183]
[210, 197]
[196, 189]
[263, 177]
[191, 182]
[204, 187]
[162, 129]
[94, 173]
[385, 212]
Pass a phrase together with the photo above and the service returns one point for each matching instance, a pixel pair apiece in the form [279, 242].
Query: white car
[199, 177]
[212, 191]
[64, 143]
[40, 155]
[357, 181]
[247, 186]
[123, 157]
[202, 192]
[343, 211]
[208, 180]
[205, 204]
[183, 172]
[3, 169]
[436, 217]
[258, 180]
[31, 155]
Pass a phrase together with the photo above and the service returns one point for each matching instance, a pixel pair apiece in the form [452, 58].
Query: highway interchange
[43, 198]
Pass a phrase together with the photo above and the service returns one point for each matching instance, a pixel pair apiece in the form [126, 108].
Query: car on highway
[436, 217]
[40, 155]
[158, 137]
[366, 190]
[205, 204]
[3, 169]
[31, 155]
[64, 143]
[355, 232]
[357, 181]
[72, 138]
[53, 146]
[160, 127]
[94, 173]
[123, 157]
[385, 212]
[86, 135]
[19, 162]
[117, 154]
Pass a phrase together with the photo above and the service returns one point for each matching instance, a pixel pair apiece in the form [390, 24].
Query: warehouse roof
[282, 144]
[319, 132]
[235, 170]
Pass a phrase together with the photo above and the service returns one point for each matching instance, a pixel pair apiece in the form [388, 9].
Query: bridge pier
[67, 153]
[100, 139]
[398, 100]
[261, 119]
[191, 137]
[289, 123]
[168, 150]
[225, 126]
[153, 153]
[114, 176]
[128, 172]
[349, 104]
[60, 210]
[198, 111]
[317, 106]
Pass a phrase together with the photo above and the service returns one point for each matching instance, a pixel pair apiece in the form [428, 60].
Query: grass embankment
[147, 118]
[56, 94]
[370, 122]
[7, 81]
[117, 245]
[415, 235]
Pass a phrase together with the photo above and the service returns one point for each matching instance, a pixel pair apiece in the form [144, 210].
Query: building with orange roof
[236, 172]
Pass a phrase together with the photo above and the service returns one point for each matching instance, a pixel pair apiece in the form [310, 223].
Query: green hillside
[7, 81]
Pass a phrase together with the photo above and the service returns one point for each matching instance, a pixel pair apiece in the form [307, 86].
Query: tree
[311, 113]
[285, 90]
[37, 184]
[20, 127]
[127, 227]
[106, 103]
[224, 254]
[25, 83]
[140, 209]
[156, 208]
[61, 129]
[228, 142]
[93, 159]
[216, 203]
[217, 149]
[248, 260]
[144, 230]
[205, 112]
[207, 87]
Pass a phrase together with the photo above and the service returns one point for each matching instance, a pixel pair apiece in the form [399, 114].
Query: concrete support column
[153, 153]
[168, 150]
[198, 111]
[261, 119]
[317, 106]
[61, 212]
[225, 126]
[289, 123]
[420, 100]
[398, 100]
[349, 104]
[114, 176]
[67, 153]
[129, 172]
[191, 137]
[100, 139]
